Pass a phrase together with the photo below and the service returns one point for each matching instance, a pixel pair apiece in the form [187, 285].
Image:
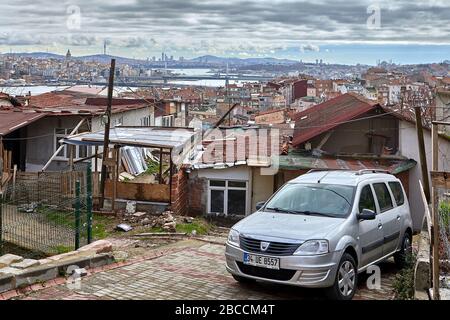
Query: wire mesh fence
[47, 213]
[443, 196]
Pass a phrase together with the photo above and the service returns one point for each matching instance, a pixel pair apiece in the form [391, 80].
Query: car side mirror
[260, 204]
[366, 214]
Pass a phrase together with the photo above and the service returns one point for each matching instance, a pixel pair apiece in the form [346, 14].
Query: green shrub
[444, 212]
[404, 280]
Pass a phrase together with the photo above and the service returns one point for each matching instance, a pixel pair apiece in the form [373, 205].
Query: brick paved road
[194, 272]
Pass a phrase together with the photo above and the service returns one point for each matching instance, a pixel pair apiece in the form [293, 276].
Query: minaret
[104, 48]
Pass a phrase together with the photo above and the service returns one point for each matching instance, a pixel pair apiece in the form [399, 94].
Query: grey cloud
[133, 24]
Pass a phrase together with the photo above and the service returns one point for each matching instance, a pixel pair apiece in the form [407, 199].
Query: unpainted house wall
[41, 141]
[262, 187]
[128, 118]
[198, 186]
[409, 148]
[351, 137]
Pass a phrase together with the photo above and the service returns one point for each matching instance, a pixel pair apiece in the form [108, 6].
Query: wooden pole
[115, 177]
[160, 165]
[107, 128]
[422, 153]
[435, 212]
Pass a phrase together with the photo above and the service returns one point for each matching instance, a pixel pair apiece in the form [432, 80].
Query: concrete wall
[39, 150]
[262, 187]
[198, 186]
[128, 118]
[409, 148]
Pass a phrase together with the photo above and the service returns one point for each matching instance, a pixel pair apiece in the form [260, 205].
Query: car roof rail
[326, 170]
[366, 171]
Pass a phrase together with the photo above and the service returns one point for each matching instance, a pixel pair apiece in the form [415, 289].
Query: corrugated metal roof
[11, 120]
[149, 137]
[328, 115]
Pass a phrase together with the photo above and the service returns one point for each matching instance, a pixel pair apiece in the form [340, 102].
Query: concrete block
[100, 246]
[8, 259]
[7, 282]
[10, 270]
[27, 263]
[36, 274]
[101, 260]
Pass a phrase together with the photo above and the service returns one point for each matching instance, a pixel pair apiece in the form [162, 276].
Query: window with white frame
[227, 196]
[167, 121]
[146, 121]
[80, 151]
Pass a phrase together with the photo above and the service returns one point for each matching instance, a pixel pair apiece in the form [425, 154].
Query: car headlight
[233, 238]
[313, 247]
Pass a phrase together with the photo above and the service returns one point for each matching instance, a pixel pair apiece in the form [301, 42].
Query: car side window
[383, 196]
[397, 191]
[366, 199]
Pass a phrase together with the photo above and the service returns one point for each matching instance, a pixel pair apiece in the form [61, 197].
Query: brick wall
[179, 193]
[197, 196]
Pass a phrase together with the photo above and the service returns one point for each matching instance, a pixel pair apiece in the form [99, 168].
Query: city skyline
[335, 31]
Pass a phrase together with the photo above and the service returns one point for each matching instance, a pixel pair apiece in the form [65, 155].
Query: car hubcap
[407, 245]
[346, 279]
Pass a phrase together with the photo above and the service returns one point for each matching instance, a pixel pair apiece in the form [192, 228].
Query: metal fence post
[89, 202]
[1, 226]
[77, 214]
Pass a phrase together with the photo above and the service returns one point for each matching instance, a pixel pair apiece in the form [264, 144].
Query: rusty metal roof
[296, 161]
[328, 115]
[12, 120]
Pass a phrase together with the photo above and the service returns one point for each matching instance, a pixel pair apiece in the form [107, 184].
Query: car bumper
[303, 271]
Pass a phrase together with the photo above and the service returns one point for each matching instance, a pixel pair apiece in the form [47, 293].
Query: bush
[444, 212]
[404, 280]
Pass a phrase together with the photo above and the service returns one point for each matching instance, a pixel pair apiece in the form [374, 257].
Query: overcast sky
[143, 28]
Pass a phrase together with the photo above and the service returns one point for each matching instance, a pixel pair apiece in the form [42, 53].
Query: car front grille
[275, 248]
[281, 275]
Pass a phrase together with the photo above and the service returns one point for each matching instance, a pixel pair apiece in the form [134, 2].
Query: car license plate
[261, 261]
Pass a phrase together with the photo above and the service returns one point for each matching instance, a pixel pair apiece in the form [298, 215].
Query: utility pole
[107, 128]
[422, 153]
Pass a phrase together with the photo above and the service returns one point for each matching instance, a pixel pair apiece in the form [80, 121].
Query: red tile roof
[328, 115]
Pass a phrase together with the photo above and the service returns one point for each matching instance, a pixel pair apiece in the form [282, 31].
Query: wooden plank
[427, 210]
[139, 191]
[440, 179]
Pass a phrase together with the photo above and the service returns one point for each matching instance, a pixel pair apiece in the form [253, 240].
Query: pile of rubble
[166, 220]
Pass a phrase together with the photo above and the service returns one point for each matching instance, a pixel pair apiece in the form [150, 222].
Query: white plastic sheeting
[134, 159]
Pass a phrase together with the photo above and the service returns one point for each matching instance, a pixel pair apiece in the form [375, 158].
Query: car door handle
[398, 218]
[380, 226]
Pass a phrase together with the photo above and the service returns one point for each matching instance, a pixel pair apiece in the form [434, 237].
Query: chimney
[27, 99]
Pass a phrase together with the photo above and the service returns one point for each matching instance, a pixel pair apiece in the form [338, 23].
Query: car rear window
[383, 196]
[397, 191]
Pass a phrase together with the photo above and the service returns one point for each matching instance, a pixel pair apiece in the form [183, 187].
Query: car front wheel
[346, 280]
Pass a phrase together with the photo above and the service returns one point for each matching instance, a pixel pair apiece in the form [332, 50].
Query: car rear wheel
[401, 257]
[242, 279]
[346, 280]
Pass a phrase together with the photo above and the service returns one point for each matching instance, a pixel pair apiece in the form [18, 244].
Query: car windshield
[313, 199]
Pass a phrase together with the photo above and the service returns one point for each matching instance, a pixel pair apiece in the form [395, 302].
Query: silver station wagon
[321, 229]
